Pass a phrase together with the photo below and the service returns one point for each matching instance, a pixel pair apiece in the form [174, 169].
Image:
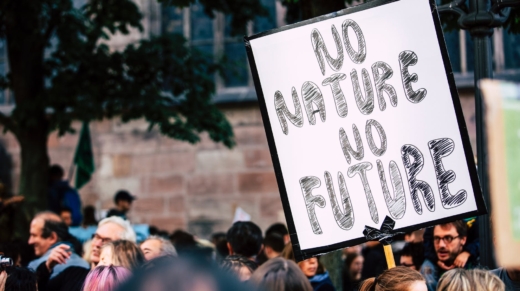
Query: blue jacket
[322, 282]
[73, 261]
[61, 194]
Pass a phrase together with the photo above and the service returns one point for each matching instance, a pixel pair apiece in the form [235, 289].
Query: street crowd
[444, 258]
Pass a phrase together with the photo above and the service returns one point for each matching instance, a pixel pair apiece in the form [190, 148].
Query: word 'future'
[412, 158]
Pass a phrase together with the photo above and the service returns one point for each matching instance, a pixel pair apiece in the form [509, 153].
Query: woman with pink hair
[106, 278]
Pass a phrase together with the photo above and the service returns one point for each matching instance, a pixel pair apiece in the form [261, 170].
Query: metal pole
[483, 69]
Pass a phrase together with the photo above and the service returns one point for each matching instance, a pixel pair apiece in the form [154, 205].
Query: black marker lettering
[362, 169]
[307, 184]
[339, 97]
[370, 138]
[319, 45]
[397, 205]
[365, 105]
[439, 149]
[347, 147]
[312, 95]
[344, 219]
[381, 86]
[282, 111]
[407, 59]
[412, 170]
[358, 56]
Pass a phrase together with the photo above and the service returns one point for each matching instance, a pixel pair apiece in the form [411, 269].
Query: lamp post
[480, 17]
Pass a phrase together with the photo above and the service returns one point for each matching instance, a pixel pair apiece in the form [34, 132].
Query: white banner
[364, 122]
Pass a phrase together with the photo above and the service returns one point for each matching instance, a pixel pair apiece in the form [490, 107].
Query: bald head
[47, 228]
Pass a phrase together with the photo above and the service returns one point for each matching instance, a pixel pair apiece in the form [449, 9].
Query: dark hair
[56, 171]
[89, 216]
[461, 226]
[183, 241]
[182, 274]
[416, 251]
[278, 228]
[124, 196]
[245, 238]
[280, 274]
[65, 209]
[220, 242]
[275, 241]
[395, 279]
[348, 262]
[58, 227]
[233, 264]
[20, 279]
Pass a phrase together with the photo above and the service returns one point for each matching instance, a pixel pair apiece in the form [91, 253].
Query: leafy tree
[61, 71]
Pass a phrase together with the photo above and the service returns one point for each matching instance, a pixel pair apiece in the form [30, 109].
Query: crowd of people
[443, 258]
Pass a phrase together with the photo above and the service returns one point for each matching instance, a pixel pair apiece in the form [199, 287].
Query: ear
[230, 249]
[463, 240]
[54, 237]
[268, 251]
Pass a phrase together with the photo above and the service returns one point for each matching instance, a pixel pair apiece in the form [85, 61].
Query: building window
[213, 36]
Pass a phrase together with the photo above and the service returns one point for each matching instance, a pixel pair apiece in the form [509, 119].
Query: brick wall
[179, 185]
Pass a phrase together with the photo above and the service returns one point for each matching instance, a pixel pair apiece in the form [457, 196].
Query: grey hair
[127, 234]
[167, 248]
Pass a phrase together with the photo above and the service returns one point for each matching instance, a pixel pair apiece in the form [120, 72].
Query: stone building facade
[198, 187]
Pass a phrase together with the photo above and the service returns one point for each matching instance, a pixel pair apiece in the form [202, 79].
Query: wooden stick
[390, 261]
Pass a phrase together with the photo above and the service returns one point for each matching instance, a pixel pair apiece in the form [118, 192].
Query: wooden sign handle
[390, 261]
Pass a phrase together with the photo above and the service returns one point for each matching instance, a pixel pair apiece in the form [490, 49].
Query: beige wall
[193, 187]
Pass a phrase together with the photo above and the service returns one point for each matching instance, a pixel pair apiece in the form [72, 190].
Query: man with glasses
[72, 278]
[448, 241]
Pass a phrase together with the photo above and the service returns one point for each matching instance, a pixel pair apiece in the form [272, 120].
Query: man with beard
[448, 241]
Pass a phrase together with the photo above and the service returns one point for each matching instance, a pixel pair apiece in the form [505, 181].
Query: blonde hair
[477, 280]
[125, 254]
[395, 279]
[484, 280]
[456, 279]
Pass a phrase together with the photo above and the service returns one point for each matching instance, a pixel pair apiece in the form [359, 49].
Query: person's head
[106, 278]
[20, 279]
[46, 229]
[281, 275]
[183, 241]
[121, 253]
[461, 279]
[244, 238]
[288, 253]
[486, 281]
[239, 266]
[280, 229]
[182, 274]
[354, 266]
[220, 242]
[412, 256]
[110, 229]
[89, 215]
[396, 279]
[449, 240]
[311, 267]
[66, 215]
[156, 246]
[123, 200]
[273, 245]
[55, 173]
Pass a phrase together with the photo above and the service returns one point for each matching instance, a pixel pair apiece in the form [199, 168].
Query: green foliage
[161, 79]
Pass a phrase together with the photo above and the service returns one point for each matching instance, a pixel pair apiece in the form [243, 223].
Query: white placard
[400, 134]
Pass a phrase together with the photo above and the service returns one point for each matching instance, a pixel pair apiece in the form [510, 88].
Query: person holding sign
[448, 240]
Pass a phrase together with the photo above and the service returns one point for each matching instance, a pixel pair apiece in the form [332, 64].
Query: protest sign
[502, 101]
[363, 121]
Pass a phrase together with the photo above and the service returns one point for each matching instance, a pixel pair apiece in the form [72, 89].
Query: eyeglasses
[447, 239]
[104, 240]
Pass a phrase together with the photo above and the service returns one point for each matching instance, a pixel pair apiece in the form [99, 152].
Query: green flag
[83, 158]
